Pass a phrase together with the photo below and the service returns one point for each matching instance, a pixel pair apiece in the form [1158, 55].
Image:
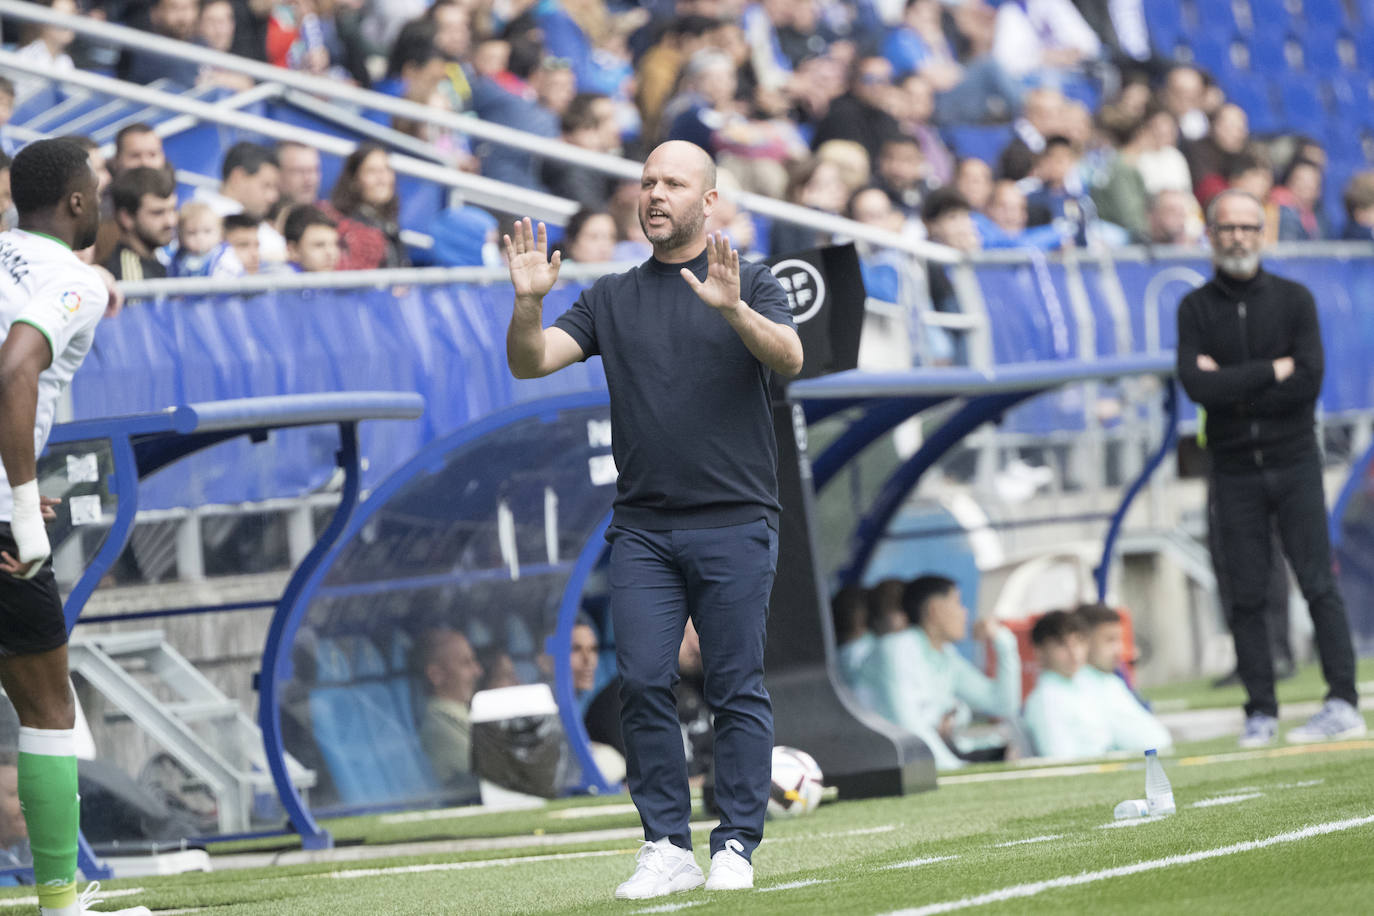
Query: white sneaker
[1337, 720]
[91, 896]
[1260, 731]
[730, 871]
[663, 869]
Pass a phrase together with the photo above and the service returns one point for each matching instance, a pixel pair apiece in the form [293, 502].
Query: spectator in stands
[631, 242]
[1056, 192]
[8, 144]
[872, 206]
[1121, 26]
[1209, 157]
[46, 46]
[973, 179]
[295, 37]
[590, 237]
[137, 146]
[415, 69]
[1118, 191]
[928, 687]
[862, 113]
[1299, 200]
[977, 91]
[584, 660]
[201, 248]
[298, 181]
[913, 107]
[98, 164]
[1359, 207]
[949, 221]
[312, 240]
[588, 123]
[364, 202]
[241, 232]
[9, 216]
[736, 222]
[1161, 165]
[817, 184]
[660, 67]
[1173, 220]
[1041, 117]
[1045, 42]
[555, 87]
[854, 640]
[850, 158]
[498, 669]
[902, 174]
[174, 19]
[1184, 95]
[1252, 173]
[450, 671]
[215, 30]
[145, 209]
[251, 184]
[706, 114]
[1004, 222]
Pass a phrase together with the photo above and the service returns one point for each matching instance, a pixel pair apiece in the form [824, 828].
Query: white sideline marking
[463, 866]
[1305, 784]
[1226, 800]
[33, 901]
[1038, 887]
[1131, 822]
[592, 811]
[1040, 772]
[794, 884]
[912, 863]
[670, 907]
[860, 831]
[1035, 839]
[438, 814]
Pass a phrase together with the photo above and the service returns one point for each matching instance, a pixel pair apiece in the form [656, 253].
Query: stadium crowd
[977, 124]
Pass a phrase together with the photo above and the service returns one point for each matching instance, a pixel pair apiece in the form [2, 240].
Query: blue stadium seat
[1268, 54]
[1321, 52]
[980, 141]
[1351, 100]
[1212, 51]
[1270, 15]
[1253, 93]
[1214, 17]
[1164, 18]
[1303, 109]
[1323, 13]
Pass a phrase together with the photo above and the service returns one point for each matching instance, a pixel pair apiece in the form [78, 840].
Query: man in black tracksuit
[1250, 352]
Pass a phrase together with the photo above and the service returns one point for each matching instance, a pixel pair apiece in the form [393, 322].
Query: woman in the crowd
[365, 203]
[590, 237]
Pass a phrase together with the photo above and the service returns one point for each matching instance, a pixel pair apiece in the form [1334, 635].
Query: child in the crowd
[9, 145]
[1133, 726]
[241, 232]
[201, 249]
[312, 239]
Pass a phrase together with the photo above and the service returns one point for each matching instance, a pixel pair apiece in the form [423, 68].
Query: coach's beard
[678, 234]
[1240, 266]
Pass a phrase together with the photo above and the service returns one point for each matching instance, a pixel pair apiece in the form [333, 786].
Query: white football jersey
[44, 284]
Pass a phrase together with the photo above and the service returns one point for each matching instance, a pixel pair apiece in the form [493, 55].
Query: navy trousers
[721, 578]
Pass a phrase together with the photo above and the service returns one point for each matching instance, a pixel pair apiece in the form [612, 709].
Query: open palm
[720, 289]
[532, 273]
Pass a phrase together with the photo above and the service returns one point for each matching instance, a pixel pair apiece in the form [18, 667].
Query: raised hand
[721, 287]
[531, 272]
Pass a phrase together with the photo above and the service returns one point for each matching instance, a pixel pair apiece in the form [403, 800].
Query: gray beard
[1242, 267]
[681, 232]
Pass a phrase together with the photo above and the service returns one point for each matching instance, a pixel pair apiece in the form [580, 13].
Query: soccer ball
[796, 788]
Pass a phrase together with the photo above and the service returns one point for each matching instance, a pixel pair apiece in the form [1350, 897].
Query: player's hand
[49, 507]
[946, 729]
[30, 537]
[532, 273]
[1283, 368]
[721, 288]
[1206, 363]
[983, 629]
[114, 303]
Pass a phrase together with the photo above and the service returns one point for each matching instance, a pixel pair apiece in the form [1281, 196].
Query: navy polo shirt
[691, 425]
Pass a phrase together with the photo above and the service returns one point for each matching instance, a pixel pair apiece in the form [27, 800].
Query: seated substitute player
[1133, 725]
[49, 303]
[928, 686]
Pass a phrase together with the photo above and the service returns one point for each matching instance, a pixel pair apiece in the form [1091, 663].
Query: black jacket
[1252, 419]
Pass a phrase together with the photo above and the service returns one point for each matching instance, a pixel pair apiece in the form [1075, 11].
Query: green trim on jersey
[52, 348]
[46, 236]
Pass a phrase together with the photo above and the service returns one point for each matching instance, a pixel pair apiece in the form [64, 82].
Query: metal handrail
[544, 147]
[485, 191]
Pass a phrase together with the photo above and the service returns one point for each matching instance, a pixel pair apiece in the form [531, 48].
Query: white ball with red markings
[797, 783]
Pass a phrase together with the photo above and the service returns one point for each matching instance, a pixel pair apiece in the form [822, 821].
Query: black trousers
[1250, 507]
[1276, 593]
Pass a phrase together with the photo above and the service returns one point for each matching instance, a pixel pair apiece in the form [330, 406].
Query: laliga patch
[71, 300]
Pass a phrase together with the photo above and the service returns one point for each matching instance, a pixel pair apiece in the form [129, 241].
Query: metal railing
[544, 147]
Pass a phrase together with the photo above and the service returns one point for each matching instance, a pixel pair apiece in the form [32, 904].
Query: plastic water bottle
[1159, 795]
